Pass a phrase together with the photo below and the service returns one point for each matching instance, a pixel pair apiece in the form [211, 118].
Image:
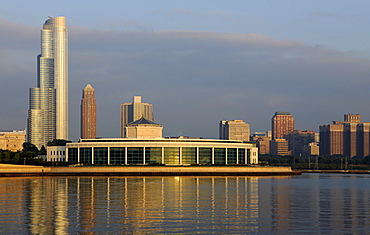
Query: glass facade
[220, 156]
[86, 155]
[205, 156]
[101, 156]
[73, 155]
[189, 155]
[241, 156]
[156, 154]
[171, 155]
[117, 156]
[153, 155]
[231, 156]
[135, 155]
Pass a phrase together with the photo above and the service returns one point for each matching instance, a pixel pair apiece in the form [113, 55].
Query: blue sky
[197, 62]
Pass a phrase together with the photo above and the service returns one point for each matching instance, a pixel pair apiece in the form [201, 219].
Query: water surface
[310, 203]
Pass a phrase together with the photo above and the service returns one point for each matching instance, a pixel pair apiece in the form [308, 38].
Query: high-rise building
[282, 123]
[349, 138]
[48, 111]
[234, 130]
[133, 111]
[88, 113]
[298, 139]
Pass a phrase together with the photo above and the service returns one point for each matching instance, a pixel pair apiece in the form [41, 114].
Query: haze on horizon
[196, 62]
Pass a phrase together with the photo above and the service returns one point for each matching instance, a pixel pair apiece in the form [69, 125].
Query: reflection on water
[310, 203]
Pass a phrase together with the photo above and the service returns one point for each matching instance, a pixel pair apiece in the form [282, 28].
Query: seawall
[19, 170]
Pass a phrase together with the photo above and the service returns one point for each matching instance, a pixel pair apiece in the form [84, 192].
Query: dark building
[298, 139]
[349, 138]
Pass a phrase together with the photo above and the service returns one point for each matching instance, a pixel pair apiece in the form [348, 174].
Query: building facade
[282, 123]
[234, 130]
[143, 129]
[298, 139]
[133, 111]
[168, 151]
[48, 111]
[349, 138]
[279, 147]
[88, 113]
[12, 140]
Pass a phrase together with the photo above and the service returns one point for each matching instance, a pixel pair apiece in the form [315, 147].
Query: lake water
[309, 203]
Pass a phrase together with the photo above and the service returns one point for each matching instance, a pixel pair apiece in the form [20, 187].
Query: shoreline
[24, 171]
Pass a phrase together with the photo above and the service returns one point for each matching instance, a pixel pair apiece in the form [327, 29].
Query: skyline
[229, 66]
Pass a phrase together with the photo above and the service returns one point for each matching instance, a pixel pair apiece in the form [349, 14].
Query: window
[189, 155]
[153, 155]
[171, 155]
[135, 155]
[205, 155]
[117, 156]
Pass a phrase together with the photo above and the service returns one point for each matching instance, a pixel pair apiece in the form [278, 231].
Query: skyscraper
[88, 113]
[133, 111]
[48, 111]
[234, 130]
[282, 123]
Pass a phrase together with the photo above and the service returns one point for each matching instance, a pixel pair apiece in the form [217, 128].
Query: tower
[234, 130]
[88, 113]
[133, 111]
[48, 111]
[282, 123]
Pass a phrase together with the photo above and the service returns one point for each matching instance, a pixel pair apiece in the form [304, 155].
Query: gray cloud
[194, 79]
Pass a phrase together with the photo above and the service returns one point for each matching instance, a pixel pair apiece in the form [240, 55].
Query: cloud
[194, 79]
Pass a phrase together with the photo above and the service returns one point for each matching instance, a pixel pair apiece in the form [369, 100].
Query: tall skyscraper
[48, 111]
[282, 123]
[133, 111]
[234, 130]
[88, 113]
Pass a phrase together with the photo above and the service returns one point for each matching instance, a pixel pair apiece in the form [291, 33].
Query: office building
[48, 111]
[133, 111]
[263, 144]
[279, 147]
[234, 130]
[312, 149]
[282, 123]
[12, 140]
[88, 113]
[298, 139]
[349, 137]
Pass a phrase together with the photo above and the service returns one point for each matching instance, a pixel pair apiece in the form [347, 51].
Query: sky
[197, 62]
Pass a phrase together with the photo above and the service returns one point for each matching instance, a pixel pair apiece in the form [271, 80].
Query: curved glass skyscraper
[48, 112]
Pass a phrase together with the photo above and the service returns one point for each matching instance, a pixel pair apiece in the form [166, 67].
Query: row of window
[158, 155]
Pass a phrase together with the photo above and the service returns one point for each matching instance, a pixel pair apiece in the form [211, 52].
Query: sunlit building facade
[282, 123]
[234, 130]
[48, 111]
[88, 113]
[349, 138]
[168, 151]
[133, 111]
[12, 140]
